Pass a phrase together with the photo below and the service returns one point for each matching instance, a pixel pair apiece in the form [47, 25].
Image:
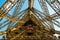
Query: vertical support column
[31, 2]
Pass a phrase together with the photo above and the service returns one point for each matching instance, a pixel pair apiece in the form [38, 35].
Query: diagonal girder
[43, 17]
[11, 18]
[53, 6]
[20, 23]
[55, 16]
[19, 5]
[8, 5]
[17, 35]
[51, 18]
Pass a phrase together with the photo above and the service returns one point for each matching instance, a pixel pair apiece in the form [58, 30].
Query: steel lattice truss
[16, 19]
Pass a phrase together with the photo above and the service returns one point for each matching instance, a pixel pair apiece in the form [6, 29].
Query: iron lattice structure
[30, 24]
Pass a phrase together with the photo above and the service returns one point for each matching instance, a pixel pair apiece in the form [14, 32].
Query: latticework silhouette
[30, 24]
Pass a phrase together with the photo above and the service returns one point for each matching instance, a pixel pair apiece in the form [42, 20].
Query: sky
[24, 7]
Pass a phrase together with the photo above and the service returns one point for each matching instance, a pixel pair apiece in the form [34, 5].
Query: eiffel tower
[30, 24]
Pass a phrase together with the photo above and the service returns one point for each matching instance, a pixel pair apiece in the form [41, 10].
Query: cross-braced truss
[20, 17]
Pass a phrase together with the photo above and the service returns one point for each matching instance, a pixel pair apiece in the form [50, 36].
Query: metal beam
[17, 35]
[57, 32]
[43, 18]
[11, 18]
[31, 3]
[8, 5]
[18, 7]
[53, 7]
